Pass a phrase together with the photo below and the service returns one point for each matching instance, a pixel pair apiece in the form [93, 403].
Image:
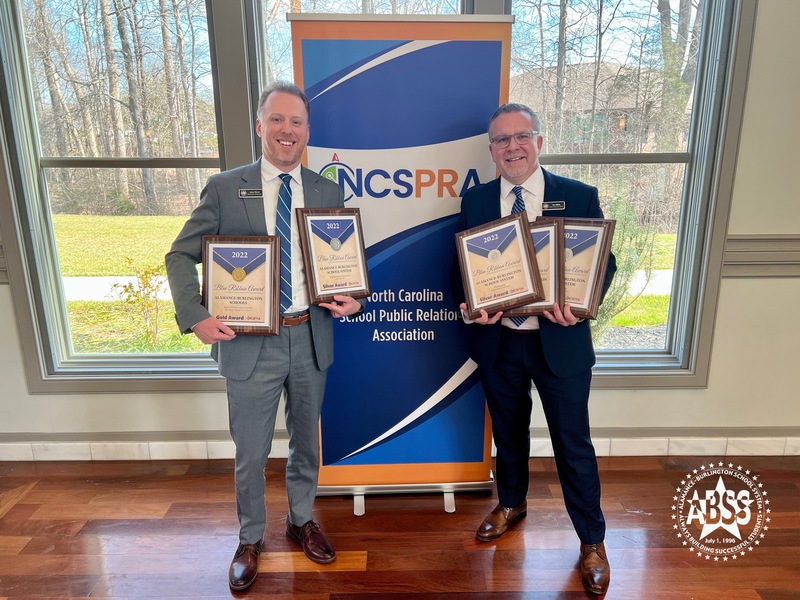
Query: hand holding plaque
[498, 266]
[333, 253]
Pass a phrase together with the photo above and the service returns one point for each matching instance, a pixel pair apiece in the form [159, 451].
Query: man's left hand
[342, 306]
[565, 317]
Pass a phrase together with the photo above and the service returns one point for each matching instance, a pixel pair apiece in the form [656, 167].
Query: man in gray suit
[244, 201]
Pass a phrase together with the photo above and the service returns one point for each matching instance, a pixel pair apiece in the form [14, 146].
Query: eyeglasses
[521, 137]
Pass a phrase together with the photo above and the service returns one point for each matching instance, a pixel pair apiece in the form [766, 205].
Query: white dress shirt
[533, 195]
[270, 184]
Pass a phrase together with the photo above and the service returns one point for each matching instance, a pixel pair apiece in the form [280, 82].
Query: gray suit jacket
[222, 212]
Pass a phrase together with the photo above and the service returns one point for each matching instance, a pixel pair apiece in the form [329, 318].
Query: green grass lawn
[108, 328]
[664, 251]
[99, 246]
[645, 311]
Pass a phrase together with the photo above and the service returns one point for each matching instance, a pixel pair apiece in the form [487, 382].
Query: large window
[614, 85]
[116, 111]
[123, 134]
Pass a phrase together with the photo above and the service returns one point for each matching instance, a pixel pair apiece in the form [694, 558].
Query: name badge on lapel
[244, 193]
[557, 205]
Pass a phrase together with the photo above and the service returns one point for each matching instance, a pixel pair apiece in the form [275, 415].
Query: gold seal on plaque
[238, 274]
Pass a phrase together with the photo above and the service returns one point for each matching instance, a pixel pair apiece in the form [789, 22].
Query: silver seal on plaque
[494, 255]
[568, 254]
[336, 244]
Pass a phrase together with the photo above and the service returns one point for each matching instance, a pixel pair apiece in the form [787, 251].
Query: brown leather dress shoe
[496, 522]
[595, 570]
[244, 566]
[313, 542]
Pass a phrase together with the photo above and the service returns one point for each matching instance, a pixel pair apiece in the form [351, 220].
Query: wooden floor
[158, 530]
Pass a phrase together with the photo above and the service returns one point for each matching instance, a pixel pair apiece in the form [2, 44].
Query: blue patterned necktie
[519, 206]
[519, 203]
[283, 226]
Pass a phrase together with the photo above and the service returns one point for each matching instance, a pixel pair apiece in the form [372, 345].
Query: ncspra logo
[721, 512]
[398, 182]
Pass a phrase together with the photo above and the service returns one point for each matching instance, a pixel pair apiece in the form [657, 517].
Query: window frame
[707, 195]
[710, 164]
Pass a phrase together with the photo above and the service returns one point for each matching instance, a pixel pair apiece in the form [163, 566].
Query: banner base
[447, 489]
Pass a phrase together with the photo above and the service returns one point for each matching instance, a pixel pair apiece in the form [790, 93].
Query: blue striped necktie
[519, 206]
[283, 226]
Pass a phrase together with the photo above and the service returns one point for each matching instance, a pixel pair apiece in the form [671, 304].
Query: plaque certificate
[241, 282]
[587, 244]
[333, 253]
[546, 234]
[498, 265]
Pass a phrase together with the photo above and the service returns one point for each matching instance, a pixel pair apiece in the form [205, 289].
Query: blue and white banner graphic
[399, 111]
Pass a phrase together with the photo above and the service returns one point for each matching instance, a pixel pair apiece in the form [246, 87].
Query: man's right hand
[484, 319]
[211, 331]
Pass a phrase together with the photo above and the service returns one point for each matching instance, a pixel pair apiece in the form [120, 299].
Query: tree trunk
[172, 93]
[186, 70]
[135, 108]
[117, 122]
[59, 113]
[561, 67]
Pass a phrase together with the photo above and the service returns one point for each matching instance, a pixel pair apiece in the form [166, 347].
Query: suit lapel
[492, 209]
[551, 185]
[254, 207]
[554, 192]
[312, 196]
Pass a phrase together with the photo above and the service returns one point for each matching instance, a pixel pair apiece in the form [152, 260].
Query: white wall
[754, 378]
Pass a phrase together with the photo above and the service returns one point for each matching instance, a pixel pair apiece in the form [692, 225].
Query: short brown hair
[286, 87]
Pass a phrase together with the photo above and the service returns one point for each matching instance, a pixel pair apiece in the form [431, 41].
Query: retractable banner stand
[399, 109]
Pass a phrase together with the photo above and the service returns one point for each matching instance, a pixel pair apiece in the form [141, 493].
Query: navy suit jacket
[567, 350]
[222, 212]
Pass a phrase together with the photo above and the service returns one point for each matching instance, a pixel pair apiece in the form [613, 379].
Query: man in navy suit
[258, 369]
[554, 352]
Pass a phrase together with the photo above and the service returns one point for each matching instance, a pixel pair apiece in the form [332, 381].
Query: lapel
[312, 195]
[551, 185]
[492, 209]
[553, 193]
[254, 207]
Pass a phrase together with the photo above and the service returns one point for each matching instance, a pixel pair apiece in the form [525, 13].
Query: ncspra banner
[399, 111]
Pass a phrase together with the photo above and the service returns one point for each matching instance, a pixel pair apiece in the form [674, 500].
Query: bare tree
[561, 63]
[188, 87]
[135, 97]
[173, 110]
[58, 106]
[86, 141]
[164, 15]
[115, 97]
[678, 70]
